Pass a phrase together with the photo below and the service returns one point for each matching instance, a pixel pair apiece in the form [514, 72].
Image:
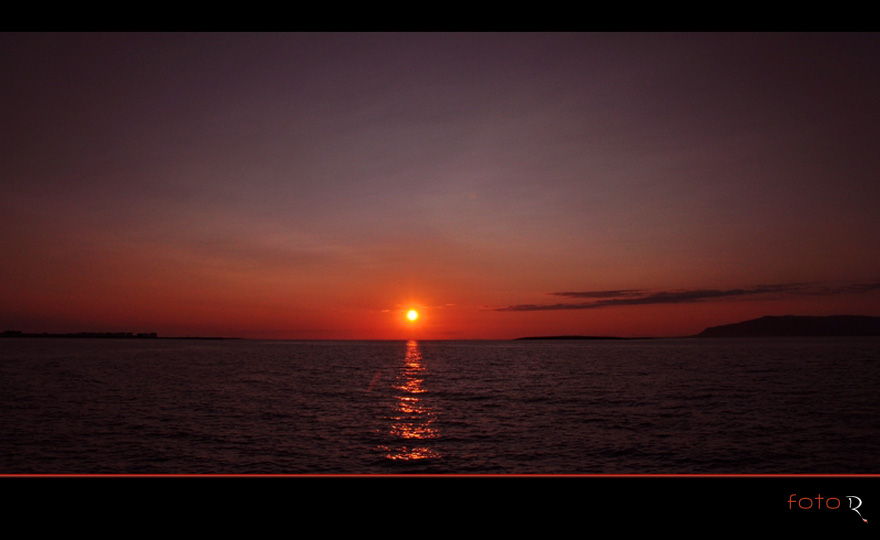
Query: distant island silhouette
[97, 335]
[767, 326]
[798, 326]
[772, 326]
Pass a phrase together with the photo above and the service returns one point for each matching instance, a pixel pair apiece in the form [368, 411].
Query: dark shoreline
[798, 326]
[100, 335]
[773, 326]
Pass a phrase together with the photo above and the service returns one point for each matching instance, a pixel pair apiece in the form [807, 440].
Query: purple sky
[316, 185]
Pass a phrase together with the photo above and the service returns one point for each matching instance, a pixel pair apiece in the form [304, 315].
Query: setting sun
[412, 315]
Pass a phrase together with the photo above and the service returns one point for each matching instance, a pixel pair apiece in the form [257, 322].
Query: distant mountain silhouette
[798, 326]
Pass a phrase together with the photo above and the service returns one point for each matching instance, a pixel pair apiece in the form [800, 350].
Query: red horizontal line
[315, 475]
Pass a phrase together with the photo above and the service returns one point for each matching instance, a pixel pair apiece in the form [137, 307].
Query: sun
[412, 314]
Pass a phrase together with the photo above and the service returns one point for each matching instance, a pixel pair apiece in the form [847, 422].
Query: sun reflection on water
[412, 419]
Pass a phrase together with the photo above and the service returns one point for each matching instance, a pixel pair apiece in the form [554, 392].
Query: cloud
[852, 288]
[638, 297]
[601, 294]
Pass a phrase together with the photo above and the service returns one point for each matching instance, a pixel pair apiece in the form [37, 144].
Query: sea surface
[680, 406]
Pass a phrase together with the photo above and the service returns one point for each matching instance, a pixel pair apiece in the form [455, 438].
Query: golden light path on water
[413, 419]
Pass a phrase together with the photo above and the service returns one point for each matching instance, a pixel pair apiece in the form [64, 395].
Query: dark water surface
[679, 406]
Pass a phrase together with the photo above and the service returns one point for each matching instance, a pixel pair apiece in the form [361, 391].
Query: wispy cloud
[639, 297]
[602, 294]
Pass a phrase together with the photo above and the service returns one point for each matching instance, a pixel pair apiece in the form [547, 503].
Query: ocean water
[680, 406]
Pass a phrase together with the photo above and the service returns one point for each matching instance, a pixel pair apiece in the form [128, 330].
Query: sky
[318, 186]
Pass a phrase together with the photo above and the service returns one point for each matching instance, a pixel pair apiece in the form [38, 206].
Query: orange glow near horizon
[308, 201]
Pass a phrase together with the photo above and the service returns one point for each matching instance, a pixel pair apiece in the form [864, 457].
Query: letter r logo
[856, 507]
